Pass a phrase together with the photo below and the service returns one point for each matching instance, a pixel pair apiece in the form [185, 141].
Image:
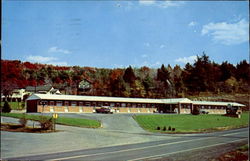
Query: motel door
[32, 106]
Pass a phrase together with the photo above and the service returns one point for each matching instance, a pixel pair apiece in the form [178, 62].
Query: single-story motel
[88, 104]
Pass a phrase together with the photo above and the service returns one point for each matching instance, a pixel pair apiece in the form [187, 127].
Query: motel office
[88, 104]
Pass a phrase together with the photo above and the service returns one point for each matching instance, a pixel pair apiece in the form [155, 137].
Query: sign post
[55, 116]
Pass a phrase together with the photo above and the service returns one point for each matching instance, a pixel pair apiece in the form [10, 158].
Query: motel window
[112, 104]
[51, 103]
[117, 104]
[66, 103]
[123, 104]
[93, 104]
[99, 104]
[209, 107]
[58, 103]
[202, 107]
[129, 105]
[73, 103]
[80, 103]
[45, 102]
[106, 104]
[143, 105]
[188, 106]
[152, 105]
[138, 105]
[133, 105]
[87, 103]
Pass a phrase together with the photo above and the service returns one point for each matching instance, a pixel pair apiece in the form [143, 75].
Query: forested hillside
[202, 76]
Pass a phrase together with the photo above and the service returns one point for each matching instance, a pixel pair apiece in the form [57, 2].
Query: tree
[231, 85]
[199, 77]
[178, 81]
[243, 71]
[129, 75]
[163, 74]
[6, 107]
[227, 71]
[7, 88]
[138, 89]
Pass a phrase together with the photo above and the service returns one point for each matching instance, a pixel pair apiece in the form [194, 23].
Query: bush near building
[6, 107]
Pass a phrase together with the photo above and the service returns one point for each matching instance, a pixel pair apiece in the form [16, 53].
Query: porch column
[179, 108]
[191, 108]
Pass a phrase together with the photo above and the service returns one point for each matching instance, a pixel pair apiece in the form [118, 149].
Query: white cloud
[162, 46]
[144, 56]
[149, 64]
[40, 59]
[161, 4]
[59, 63]
[192, 23]
[45, 60]
[190, 59]
[146, 2]
[226, 33]
[55, 49]
[167, 4]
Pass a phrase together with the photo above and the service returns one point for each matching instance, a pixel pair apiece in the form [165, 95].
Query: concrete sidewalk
[14, 144]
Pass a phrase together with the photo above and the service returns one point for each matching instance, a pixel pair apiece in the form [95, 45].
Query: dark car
[103, 110]
[204, 112]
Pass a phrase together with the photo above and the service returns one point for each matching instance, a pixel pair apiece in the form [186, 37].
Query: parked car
[204, 112]
[104, 110]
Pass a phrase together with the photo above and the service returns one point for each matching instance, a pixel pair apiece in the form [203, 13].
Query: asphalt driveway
[117, 129]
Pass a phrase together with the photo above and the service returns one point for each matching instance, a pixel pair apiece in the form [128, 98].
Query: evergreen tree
[129, 75]
[6, 107]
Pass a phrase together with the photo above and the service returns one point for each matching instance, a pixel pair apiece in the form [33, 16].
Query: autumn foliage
[202, 76]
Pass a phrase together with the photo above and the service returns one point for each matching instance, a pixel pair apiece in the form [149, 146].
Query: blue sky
[118, 33]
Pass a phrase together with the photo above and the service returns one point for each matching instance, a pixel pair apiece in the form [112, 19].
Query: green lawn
[191, 123]
[14, 105]
[61, 120]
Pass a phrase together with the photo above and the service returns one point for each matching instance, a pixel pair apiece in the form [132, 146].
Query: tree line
[202, 76]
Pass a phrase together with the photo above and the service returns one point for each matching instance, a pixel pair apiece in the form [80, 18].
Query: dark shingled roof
[38, 88]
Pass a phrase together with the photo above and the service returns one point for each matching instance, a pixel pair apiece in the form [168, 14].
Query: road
[149, 150]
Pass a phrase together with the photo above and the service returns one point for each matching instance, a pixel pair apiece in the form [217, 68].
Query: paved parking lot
[117, 129]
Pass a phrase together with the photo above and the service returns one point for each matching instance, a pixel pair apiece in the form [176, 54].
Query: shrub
[173, 129]
[6, 107]
[164, 128]
[23, 121]
[46, 123]
[158, 128]
[23, 105]
[169, 128]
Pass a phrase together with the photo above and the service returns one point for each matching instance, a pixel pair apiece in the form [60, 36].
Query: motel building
[46, 103]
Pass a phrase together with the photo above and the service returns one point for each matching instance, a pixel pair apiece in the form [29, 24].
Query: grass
[79, 122]
[14, 105]
[191, 123]
[244, 147]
